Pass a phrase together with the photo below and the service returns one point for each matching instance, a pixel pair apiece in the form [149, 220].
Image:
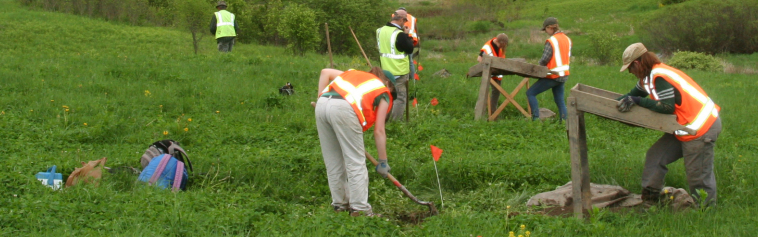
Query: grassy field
[76, 89]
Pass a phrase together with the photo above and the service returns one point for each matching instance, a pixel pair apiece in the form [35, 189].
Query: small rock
[546, 113]
[442, 73]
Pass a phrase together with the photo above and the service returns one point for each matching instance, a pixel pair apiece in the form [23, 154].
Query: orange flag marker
[436, 153]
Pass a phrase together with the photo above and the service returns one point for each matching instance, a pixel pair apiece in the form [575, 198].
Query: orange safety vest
[488, 50]
[561, 55]
[697, 111]
[360, 89]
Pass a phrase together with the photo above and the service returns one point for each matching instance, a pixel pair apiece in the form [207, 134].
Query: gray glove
[626, 104]
[383, 168]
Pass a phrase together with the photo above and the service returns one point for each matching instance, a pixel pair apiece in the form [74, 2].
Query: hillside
[77, 89]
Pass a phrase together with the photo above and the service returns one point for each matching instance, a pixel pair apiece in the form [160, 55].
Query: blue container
[50, 178]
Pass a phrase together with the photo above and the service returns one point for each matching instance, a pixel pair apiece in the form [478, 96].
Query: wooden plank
[577, 143]
[585, 173]
[597, 91]
[481, 102]
[503, 66]
[639, 116]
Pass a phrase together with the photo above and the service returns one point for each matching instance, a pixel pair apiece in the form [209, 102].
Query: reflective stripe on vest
[561, 55]
[707, 110]
[224, 24]
[488, 50]
[368, 88]
[393, 60]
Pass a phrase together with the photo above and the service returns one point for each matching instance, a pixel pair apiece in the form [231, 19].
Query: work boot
[339, 209]
[651, 196]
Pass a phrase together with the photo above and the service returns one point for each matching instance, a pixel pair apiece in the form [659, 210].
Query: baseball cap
[389, 75]
[631, 53]
[549, 21]
[221, 3]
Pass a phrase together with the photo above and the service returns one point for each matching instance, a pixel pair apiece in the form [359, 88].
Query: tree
[193, 17]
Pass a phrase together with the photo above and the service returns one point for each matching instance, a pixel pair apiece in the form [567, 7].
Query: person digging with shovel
[349, 103]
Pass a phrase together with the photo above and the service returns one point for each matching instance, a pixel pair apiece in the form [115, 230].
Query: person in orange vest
[555, 56]
[349, 103]
[495, 48]
[224, 27]
[673, 92]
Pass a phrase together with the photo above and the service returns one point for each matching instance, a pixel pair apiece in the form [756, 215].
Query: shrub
[695, 60]
[705, 26]
[604, 47]
[192, 17]
[480, 26]
[298, 25]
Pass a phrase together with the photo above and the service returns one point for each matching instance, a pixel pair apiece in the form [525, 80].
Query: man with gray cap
[224, 27]
[672, 91]
[555, 56]
[394, 45]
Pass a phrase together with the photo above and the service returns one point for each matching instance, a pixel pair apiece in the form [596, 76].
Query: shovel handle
[432, 208]
[389, 176]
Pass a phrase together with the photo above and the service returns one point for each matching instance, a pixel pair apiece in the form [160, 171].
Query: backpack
[165, 171]
[175, 167]
[165, 147]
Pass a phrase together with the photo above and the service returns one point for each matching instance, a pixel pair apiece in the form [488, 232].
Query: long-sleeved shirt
[213, 26]
[403, 42]
[668, 96]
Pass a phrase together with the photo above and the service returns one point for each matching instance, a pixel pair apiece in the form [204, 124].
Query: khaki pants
[341, 137]
[398, 105]
[698, 162]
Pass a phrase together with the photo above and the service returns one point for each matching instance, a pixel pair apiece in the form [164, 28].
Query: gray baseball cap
[549, 21]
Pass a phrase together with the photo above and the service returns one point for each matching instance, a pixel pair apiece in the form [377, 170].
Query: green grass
[258, 165]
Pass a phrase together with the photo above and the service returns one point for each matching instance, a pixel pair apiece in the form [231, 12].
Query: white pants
[341, 137]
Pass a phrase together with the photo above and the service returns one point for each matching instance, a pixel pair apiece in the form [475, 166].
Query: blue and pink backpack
[164, 165]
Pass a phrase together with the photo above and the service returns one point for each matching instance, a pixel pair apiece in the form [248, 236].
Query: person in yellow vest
[555, 56]
[349, 103]
[671, 91]
[394, 45]
[495, 48]
[224, 27]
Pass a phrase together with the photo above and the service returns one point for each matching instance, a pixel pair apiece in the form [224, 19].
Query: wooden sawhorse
[583, 98]
[500, 66]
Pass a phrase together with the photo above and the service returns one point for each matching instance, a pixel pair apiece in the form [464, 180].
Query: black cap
[549, 21]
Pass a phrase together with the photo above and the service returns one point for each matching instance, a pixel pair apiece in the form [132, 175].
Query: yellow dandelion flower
[160, 106]
[511, 234]
[189, 120]
[52, 100]
[507, 207]
[85, 124]
[527, 233]
[672, 198]
[523, 227]
[218, 111]
[520, 235]
[31, 110]
[186, 129]
[666, 191]
[165, 133]
[242, 103]
[147, 93]
[66, 110]
[2, 112]
[65, 106]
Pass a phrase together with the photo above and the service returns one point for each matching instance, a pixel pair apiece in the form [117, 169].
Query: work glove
[626, 103]
[383, 168]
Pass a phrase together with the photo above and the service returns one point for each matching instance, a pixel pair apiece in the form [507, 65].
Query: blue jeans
[541, 86]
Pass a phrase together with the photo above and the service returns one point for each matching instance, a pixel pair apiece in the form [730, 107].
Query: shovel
[432, 209]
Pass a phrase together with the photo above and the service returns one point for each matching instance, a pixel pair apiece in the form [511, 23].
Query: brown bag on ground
[90, 172]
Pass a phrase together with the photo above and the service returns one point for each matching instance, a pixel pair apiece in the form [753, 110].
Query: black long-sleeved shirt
[403, 42]
[213, 26]
[668, 96]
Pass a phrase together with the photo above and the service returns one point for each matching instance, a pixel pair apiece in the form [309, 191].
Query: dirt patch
[569, 211]
[413, 218]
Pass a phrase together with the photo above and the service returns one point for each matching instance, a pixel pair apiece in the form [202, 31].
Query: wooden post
[580, 175]
[481, 103]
